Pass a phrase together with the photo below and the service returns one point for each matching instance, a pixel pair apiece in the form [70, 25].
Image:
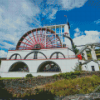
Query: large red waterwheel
[39, 38]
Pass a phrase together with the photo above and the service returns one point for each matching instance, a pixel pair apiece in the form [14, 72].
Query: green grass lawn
[2, 78]
[10, 78]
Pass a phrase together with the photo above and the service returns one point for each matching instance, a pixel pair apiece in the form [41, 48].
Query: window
[93, 69]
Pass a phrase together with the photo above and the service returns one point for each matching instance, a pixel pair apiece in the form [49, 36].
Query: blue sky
[19, 16]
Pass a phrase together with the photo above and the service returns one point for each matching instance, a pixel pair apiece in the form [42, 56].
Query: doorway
[93, 69]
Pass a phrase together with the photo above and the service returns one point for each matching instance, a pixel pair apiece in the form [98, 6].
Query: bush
[72, 75]
[55, 76]
[68, 75]
[39, 76]
[77, 73]
[78, 67]
[29, 76]
[94, 76]
[99, 68]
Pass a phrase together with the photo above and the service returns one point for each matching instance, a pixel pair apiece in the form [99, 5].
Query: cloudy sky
[19, 16]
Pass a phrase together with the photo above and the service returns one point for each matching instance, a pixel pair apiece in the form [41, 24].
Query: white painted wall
[98, 62]
[47, 52]
[23, 74]
[66, 65]
[84, 67]
[88, 66]
[92, 64]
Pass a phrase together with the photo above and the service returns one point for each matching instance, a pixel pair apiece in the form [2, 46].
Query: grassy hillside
[70, 85]
[74, 86]
[67, 87]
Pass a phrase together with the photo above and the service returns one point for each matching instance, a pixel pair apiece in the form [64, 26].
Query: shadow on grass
[43, 95]
[3, 92]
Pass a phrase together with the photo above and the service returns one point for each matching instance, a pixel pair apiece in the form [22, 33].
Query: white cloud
[14, 16]
[7, 45]
[70, 4]
[90, 37]
[97, 21]
[62, 5]
[3, 53]
[77, 32]
[52, 15]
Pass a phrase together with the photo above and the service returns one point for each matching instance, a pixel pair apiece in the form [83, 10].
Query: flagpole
[66, 18]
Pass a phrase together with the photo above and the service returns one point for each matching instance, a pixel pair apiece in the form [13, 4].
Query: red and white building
[43, 51]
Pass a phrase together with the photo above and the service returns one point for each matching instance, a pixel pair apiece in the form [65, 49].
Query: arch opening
[15, 56]
[97, 52]
[57, 55]
[89, 55]
[19, 67]
[49, 66]
[35, 55]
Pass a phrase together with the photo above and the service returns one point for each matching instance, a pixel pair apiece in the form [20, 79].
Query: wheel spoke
[36, 35]
[41, 35]
[30, 37]
[51, 40]
[43, 40]
[33, 36]
[24, 47]
[26, 44]
[27, 40]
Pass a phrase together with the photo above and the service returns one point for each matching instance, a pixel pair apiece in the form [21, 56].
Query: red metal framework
[39, 38]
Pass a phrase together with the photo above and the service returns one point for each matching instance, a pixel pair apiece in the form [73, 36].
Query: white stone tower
[66, 32]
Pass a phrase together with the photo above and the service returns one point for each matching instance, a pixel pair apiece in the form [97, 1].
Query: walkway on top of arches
[85, 46]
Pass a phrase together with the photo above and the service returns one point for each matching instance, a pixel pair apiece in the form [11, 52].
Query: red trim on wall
[43, 59]
[66, 33]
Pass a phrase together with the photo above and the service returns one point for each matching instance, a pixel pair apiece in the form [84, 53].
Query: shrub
[55, 76]
[68, 75]
[99, 68]
[29, 76]
[94, 76]
[39, 76]
[77, 73]
[78, 67]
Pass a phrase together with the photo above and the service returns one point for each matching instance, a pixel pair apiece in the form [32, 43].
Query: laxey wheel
[39, 38]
